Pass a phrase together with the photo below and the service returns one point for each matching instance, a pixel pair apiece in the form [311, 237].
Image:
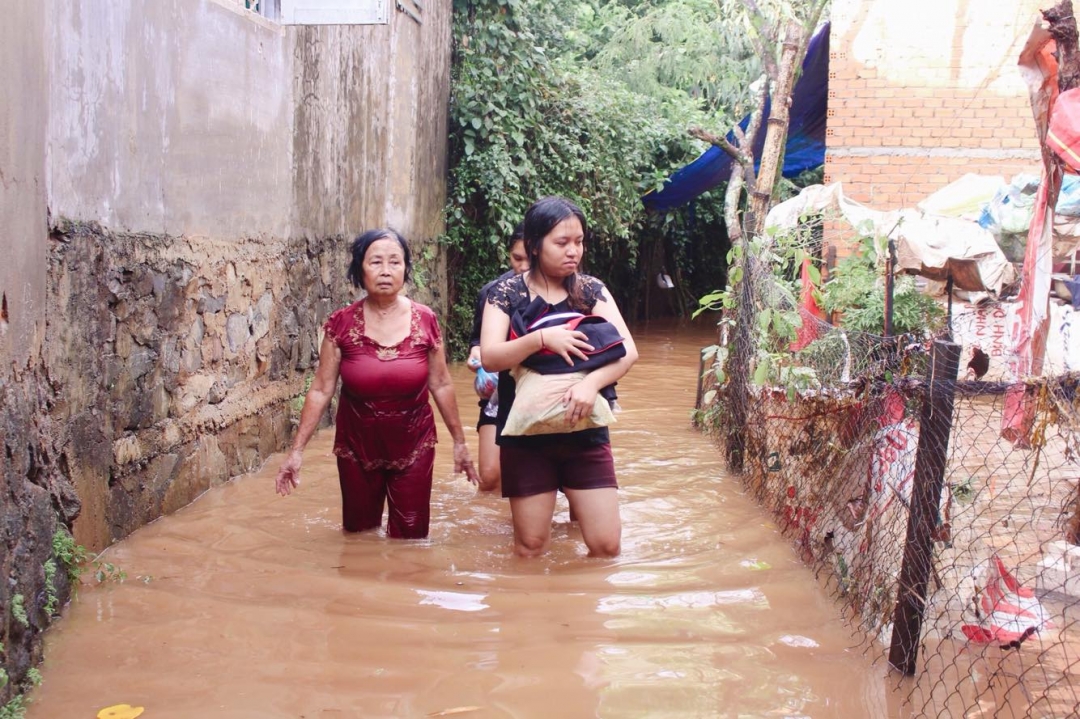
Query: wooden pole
[890, 286]
[776, 127]
[935, 425]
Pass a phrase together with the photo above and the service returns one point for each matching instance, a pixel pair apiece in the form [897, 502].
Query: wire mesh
[836, 461]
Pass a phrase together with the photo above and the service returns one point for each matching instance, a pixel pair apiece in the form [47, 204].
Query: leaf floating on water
[755, 564]
[120, 711]
[455, 710]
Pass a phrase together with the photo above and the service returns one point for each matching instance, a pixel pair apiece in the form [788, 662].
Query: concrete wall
[179, 183]
[925, 91]
[22, 180]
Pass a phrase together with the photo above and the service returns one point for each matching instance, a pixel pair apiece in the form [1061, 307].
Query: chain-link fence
[953, 550]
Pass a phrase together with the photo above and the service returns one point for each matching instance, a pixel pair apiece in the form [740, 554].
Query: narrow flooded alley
[246, 604]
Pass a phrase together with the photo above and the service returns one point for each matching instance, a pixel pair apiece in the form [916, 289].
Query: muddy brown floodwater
[246, 604]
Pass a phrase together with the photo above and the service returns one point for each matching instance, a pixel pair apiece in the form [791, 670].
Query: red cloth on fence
[809, 311]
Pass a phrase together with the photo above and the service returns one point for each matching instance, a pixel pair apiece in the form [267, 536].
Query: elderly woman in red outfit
[388, 352]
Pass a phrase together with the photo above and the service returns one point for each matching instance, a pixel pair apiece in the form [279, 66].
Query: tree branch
[756, 115]
[731, 206]
[763, 48]
[721, 142]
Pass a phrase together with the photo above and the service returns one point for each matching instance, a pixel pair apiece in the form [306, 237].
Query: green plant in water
[14, 709]
[70, 554]
[18, 610]
[107, 572]
[52, 601]
[33, 675]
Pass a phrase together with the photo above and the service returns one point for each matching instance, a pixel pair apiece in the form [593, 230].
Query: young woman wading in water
[579, 463]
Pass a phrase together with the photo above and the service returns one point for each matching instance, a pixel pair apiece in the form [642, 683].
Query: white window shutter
[334, 12]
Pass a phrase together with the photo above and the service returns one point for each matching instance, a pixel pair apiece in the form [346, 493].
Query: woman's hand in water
[288, 476]
[463, 463]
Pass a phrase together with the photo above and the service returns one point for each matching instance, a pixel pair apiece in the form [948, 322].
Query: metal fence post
[935, 426]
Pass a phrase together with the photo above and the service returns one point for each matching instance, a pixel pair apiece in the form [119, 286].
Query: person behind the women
[388, 352]
[490, 473]
[534, 468]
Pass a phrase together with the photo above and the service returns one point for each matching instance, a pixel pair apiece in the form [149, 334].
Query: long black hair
[361, 245]
[540, 219]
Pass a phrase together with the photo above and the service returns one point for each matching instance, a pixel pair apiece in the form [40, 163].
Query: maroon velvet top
[384, 419]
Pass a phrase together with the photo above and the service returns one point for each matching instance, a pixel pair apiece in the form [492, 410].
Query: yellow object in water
[120, 711]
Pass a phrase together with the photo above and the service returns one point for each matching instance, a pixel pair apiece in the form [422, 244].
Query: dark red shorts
[526, 472]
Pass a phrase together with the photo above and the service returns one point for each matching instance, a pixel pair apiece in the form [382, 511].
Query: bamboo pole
[776, 126]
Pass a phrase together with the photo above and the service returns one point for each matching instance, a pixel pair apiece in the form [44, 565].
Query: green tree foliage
[530, 118]
[700, 48]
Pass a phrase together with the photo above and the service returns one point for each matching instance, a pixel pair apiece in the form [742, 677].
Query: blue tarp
[806, 135]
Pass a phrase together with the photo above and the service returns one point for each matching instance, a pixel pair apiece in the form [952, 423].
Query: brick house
[924, 91]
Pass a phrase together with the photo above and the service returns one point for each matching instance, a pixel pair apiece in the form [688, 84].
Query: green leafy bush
[856, 289]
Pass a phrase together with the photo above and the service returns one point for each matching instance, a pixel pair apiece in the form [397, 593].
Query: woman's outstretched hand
[288, 476]
[462, 463]
[566, 343]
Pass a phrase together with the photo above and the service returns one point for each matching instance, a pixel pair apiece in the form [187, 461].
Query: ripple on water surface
[259, 606]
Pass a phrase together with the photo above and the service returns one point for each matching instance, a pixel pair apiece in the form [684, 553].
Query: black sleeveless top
[512, 295]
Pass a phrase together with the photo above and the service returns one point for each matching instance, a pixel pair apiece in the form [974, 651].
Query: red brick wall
[922, 92]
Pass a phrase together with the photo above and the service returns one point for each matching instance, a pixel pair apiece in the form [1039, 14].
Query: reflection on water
[259, 606]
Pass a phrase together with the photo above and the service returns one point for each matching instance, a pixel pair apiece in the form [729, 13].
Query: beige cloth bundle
[539, 408]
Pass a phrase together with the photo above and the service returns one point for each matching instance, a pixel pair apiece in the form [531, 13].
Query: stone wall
[923, 92]
[181, 182]
[182, 370]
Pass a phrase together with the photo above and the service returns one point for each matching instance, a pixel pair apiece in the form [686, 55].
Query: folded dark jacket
[604, 337]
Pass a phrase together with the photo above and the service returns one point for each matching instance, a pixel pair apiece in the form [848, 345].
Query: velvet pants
[406, 491]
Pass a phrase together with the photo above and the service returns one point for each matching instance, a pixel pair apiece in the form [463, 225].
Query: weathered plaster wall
[925, 91]
[22, 181]
[169, 118]
[35, 497]
[368, 168]
[179, 183]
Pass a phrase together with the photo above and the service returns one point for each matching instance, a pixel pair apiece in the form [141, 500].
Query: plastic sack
[539, 408]
[1068, 202]
[965, 197]
[485, 383]
[1010, 210]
